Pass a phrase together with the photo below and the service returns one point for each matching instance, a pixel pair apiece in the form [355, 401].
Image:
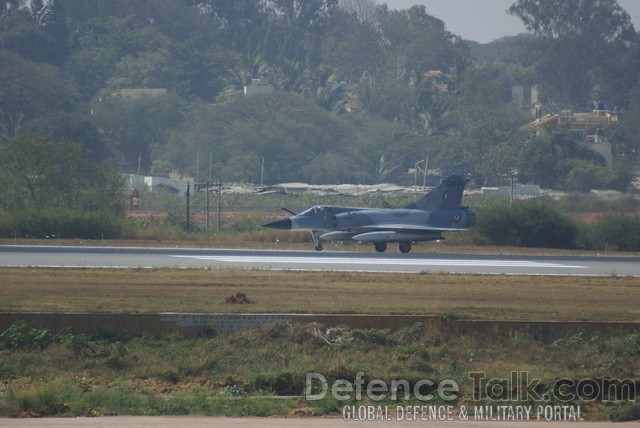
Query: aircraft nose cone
[284, 224]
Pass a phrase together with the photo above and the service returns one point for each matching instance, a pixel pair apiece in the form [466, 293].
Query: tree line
[63, 61]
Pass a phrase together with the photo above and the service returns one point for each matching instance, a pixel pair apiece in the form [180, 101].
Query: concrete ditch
[198, 324]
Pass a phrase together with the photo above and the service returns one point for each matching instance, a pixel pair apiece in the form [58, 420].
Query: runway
[136, 257]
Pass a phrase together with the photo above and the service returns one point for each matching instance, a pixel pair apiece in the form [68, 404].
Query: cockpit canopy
[317, 210]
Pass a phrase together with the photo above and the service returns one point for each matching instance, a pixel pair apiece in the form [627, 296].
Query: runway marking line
[377, 261]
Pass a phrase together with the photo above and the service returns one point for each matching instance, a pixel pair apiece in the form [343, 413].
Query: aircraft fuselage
[425, 220]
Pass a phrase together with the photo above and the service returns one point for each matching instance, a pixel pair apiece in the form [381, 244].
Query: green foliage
[296, 139]
[132, 126]
[8, 371]
[234, 391]
[63, 223]
[50, 189]
[45, 401]
[7, 224]
[631, 345]
[20, 335]
[585, 176]
[625, 411]
[30, 90]
[38, 173]
[630, 126]
[531, 223]
[615, 231]
[566, 29]
[248, 383]
[362, 91]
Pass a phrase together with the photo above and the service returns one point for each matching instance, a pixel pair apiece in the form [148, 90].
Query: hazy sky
[486, 20]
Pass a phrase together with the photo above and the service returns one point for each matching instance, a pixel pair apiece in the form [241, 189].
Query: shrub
[20, 335]
[7, 225]
[586, 175]
[532, 223]
[50, 222]
[621, 232]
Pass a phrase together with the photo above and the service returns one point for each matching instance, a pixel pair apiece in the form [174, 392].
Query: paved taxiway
[122, 257]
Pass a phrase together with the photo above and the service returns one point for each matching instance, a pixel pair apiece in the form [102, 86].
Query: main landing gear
[381, 247]
[316, 241]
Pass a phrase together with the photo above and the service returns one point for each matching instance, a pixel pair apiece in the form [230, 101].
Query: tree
[585, 176]
[54, 21]
[29, 90]
[71, 127]
[601, 21]
[364, 10]
[132, 126]
[581, 42]
[418, 42]
[150, 69]
[630, 126]
[286, 130]
[38, 173]
[353, 47]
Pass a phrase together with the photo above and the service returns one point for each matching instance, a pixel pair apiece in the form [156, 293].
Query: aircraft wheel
[404, 247]
[380, 247]
[319, 247]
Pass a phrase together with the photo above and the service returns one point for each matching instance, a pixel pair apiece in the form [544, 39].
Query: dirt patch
[237, 299]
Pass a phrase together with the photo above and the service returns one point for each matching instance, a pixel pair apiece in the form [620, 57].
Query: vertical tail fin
[446, 194]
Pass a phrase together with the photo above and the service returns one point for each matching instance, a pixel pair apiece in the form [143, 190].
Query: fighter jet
[438, 211]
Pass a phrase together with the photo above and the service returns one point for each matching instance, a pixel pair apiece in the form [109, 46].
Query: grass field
[247, 373]
[45, 373]
[262, 372]
[499, 297]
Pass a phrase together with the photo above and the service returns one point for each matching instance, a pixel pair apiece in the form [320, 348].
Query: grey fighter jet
[438, 211]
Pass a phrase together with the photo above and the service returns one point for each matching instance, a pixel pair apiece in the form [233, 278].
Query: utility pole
[188, 196]
[512, 175]
[511, 191]
[207, 210]
[417, 168]
[262, 174]
[197, 167]
[208, 199]
[424, 179]
[209, 177]
[219, 205]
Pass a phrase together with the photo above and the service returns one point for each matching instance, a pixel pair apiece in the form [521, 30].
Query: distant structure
[257, 87]
[585, 127]
[440, 81]
[135, 93]
[347, 96]
[517, 97]
[156, 183]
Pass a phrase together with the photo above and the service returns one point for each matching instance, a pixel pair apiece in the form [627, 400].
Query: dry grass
[183, 290]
